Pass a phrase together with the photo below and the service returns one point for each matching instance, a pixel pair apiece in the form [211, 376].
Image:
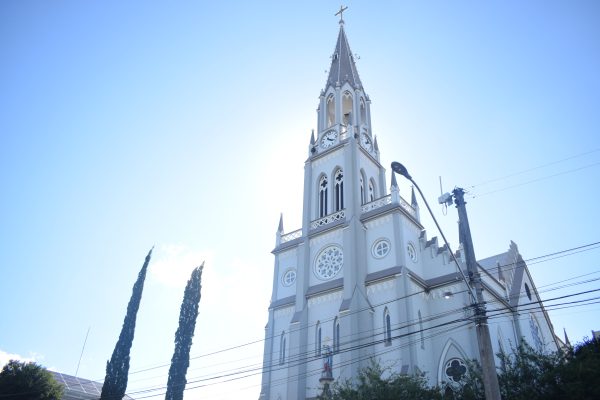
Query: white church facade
[361, 281]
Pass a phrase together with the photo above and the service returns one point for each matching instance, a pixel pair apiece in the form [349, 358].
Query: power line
[413, 322]
[534, 168]
[536, 180]
[585, 247]
[304, 360]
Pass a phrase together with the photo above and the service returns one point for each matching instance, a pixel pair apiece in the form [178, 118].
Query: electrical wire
[535, 168]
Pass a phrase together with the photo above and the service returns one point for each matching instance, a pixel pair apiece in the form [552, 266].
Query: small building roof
[80, 389]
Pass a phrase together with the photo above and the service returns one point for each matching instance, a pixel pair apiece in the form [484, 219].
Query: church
[361, 280]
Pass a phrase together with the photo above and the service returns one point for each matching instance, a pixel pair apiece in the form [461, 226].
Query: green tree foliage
[526, 374]
[581, 373]
[183, 337]
[28, 380]
[370, 384]
[117, 369]
[529, 374]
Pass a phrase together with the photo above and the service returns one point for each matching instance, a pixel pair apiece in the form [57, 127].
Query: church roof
[343, 69]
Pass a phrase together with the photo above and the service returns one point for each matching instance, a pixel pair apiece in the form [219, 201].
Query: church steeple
[344, 107]
[343, 69]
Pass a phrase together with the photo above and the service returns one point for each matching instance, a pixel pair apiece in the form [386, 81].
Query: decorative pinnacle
[341, 14]
[413, 199]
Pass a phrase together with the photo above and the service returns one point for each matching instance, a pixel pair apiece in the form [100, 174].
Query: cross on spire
[341, 13]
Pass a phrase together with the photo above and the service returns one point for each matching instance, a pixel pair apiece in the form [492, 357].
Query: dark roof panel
[343, 69]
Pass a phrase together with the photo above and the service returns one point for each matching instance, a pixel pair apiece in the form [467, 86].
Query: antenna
[84, 342]
[445, 199]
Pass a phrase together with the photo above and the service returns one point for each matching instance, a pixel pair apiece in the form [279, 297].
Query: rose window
[329, 262]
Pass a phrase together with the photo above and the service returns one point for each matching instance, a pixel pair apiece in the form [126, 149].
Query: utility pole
[473, 282]
[486, 354]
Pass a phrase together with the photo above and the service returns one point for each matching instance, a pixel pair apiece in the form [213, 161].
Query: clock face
[328, 139]
[329, 262]
[366, 142]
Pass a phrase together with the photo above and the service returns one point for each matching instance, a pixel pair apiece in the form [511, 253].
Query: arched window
[347, 108]
[421, 330]
[362, 190]
[387, 327]
[363, 111]
[336, 335]
[371, 190]
[318, 340]
[282, 348]
[339, 190]
[330, 110]
[323, 196]
[527, 291]
[536, 333]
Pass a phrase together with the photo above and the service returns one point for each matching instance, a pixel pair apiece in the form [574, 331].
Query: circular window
[381, 248]
[455, 370]
[289, 277]
[329, 262]
[412, 253]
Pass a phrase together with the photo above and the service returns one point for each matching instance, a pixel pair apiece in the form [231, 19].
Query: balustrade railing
[288, 237]
[328, 219]
[341, 215]
[408, 208]
[380, 202]
[385, 200]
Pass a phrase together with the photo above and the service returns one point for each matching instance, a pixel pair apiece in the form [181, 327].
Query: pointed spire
[312, 138]
[413, 198]
[343, 68]
[567, 341]
[280, 228]
[375, 145]
[394, 183]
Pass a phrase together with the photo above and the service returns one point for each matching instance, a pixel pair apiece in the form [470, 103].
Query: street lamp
[401, 169]
[486, 355]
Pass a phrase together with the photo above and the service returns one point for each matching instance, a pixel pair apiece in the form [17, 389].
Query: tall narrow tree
[183, 337]
[117, 369]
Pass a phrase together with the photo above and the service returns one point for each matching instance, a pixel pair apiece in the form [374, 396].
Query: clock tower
[320, 305]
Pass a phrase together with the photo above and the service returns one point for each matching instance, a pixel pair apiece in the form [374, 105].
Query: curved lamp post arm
[401, 169]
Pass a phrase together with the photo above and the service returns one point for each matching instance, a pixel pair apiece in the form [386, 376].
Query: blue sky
[185, 126]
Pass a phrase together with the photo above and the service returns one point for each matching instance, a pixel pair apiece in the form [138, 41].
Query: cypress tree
[183, 337]
[117, 369]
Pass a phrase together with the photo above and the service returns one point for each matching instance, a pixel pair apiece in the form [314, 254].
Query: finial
[312, 137]
[394, 183]
[413, 198]
[375, 145]
[280, 227]
[341, 14]
[567, 341]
